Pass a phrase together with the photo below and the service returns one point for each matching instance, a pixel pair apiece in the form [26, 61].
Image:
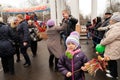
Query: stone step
[82, 38]
[83, 35]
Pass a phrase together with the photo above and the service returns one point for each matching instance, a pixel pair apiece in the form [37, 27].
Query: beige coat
[112, 42]
[53, 41]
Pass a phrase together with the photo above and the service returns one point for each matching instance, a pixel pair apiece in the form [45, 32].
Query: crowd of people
[93, 28]
[16, 36]
[107, 34]
[22, 32]
[56, 33]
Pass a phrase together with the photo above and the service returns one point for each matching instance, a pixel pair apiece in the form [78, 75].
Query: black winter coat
[104, 24]
[23, 33]
[71, 24]
[6, 36]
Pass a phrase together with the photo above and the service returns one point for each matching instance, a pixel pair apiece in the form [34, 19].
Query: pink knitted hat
[50, 22]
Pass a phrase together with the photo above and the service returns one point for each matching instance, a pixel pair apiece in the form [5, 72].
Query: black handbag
[12, 42]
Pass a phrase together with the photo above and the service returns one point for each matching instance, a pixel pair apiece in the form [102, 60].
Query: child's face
[71, 46]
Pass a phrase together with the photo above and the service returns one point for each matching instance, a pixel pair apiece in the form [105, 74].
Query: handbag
[12, 42]
[42, 35]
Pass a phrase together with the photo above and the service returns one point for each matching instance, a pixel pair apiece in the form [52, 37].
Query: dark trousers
[98, 40]
[112, 64]
[17, 51]
[51, 59]
[94, 41]
[23, 50]
[64, 37]
[34, 47]
[56, 62]
[8, 64]
[118, 62]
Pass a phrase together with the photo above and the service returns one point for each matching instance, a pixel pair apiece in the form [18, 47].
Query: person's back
[111, 41]
[6, 34]
[53, 43]
[104, 24]
[96, 33]
[6, 48]
[53, 34]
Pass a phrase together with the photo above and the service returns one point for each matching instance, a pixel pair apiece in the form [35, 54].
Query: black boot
[51, 58]
[27, 60]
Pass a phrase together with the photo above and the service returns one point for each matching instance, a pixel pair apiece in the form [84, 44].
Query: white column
[59, 12]
[53, 10]
[1, 8]
[74, 7]
[62, 7]
[93, 9]
[63, 4]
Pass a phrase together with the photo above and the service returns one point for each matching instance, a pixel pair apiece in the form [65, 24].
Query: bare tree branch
[32, 2]
[111, 6]
[114, 6]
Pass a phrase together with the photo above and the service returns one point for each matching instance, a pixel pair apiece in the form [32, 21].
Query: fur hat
[50, 22]
[116, 16]
[74, 38]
